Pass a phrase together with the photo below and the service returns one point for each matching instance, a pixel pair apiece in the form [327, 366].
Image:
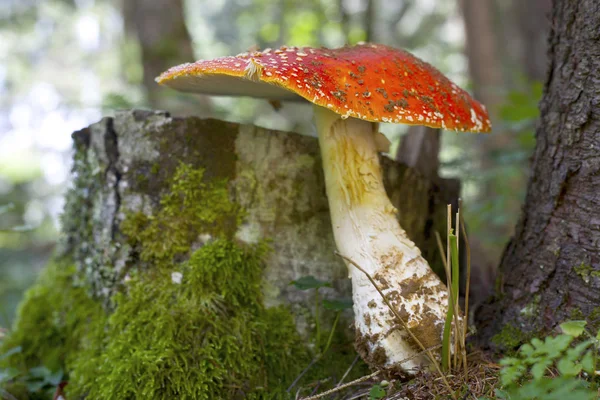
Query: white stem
[367, 231]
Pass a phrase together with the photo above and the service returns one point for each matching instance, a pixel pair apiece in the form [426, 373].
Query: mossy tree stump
[176, 227]
[125, 164]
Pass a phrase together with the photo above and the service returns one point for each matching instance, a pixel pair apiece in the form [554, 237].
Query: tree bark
[551, 267]
[275, 177]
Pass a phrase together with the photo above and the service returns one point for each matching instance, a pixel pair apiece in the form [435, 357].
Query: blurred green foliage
[494, 197]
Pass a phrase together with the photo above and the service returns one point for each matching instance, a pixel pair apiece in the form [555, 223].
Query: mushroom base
[367, 231]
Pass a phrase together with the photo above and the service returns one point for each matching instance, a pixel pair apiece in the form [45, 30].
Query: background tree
[506, 51]
[158, 28]
[551, 268]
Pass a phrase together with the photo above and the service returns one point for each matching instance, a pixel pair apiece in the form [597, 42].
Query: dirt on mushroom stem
[367, 231]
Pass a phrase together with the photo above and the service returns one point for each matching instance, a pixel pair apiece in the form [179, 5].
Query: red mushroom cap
[371, 82]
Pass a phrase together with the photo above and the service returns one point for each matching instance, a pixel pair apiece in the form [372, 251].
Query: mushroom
[353, 89]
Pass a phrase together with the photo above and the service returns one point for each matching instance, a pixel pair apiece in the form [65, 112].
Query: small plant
[451, 316]
[553, 368]
[37, 381]
[455, 326]
[308, 283]
[377, 392]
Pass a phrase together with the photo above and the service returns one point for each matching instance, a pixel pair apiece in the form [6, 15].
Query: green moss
[585, 271]
[592, 318]
[191, 207]
[532, 308]
[204, 334]
[155, 169]
[52, 319]
[206, 337]
[55, 318]
[510, 337]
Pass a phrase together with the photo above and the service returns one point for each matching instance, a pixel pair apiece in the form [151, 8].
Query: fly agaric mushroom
[353, 89]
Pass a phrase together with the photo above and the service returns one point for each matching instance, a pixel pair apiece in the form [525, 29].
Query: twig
[406, 328]
[348, 370]
[441, 247]
[318, 357]
[468, 284]
[450, 314]
[455, 293]
[342, 387]
[317, 327]
[335, 321]
[447, 322]
[7, 395]
[313, 362]
[468, 252]
[457, 324]
[448, 233]
[339, 386]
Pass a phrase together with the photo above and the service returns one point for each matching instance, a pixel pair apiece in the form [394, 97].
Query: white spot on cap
[475, 120]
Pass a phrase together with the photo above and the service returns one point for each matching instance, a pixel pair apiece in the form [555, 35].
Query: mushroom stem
[367, 231]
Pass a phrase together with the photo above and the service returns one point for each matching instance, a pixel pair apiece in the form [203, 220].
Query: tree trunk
[551, 268]
[485, 66]
[159, 28]
[370, 21]
[275, 177]
[420, 148]
[532, 23]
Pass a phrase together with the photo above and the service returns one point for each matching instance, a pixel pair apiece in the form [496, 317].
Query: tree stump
[275, 177]
[180, 239]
